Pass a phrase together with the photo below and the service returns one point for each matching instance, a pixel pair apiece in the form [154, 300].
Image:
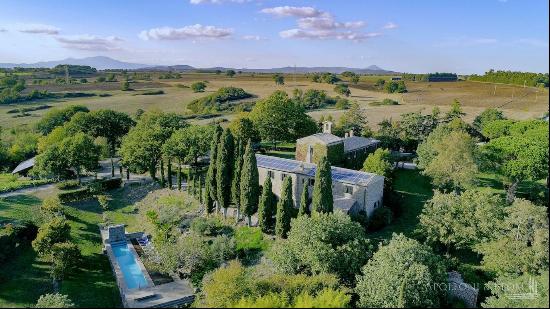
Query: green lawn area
[26, 277]
[9, 182]
[416, 190]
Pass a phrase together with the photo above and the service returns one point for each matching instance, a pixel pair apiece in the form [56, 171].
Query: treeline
[57, 70]
[218, 100]
[513, 77]
[430, 77]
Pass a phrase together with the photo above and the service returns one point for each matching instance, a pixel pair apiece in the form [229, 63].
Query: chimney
[327, 127]
[346, 135]
[350, 133]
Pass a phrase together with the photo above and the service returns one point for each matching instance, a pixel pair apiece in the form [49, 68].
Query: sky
[461, 36]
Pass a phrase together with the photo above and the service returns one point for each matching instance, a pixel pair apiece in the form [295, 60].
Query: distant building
[24, 167]
[396, 78]
[350, 151]
[353, 191]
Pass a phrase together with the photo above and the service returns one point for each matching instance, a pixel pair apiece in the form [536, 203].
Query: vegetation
[322, 201]
[54, 301]
[431, 77]
[285, 205]
[218, 101]
[198, 86]
[511, 77]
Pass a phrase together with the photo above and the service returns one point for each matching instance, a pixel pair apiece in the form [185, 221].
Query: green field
[9, 182]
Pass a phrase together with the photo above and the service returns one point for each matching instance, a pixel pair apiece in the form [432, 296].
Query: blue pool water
[133, 276]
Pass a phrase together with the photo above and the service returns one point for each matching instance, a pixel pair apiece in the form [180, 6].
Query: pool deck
[165, 295]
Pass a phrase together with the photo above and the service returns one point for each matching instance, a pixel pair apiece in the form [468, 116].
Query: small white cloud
[90, 42]
[252, 37]
[327, 35]
[326, 21]
[38, 29]
[390, 26]
[196, 31]
[284, 11]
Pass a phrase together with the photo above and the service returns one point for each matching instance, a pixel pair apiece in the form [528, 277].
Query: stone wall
[458, 289]
[116, 233]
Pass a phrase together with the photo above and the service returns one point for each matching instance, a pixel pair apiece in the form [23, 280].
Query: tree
[342, 89]
[379, 162]
[279, 118]
[322, 201]
[353, 119]
[106, 123]
[51, 207]
[488, 115]
[380, 83]
[56, 230]
[462, 221]
[505, 286]
[279, 79]
[267, 208]
[405, 272]
[455, 112]
[80, 152]
[65, 256]
[284, 209]
[198, 86]
[125, 86]
[211, 182]
[323, 244]
[230, 73]
[520, 155]
[304, 202]
[57, 117]
[249, 182]
[141, 148]
[521, 245]
[236, 180]
[394, 87]
[243, 128]
[448, 157]
[54, 301]
[224, 169]
[355, 79]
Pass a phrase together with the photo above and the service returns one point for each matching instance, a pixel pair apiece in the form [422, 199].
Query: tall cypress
[236, 182]
[284, 209]
[224, 170]
[250, 188]
[266, 208]
[323, 201]
[179, 174]
[162, 180]
[208, 201]
[200, 189]
[211, 173]
[169, 171]
[304, 202]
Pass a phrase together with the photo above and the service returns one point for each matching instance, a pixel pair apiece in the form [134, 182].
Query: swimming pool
[133, 275]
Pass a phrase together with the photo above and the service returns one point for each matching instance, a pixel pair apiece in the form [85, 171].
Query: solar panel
[338, 174]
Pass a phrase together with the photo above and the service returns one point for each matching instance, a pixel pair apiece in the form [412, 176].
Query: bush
[67, 185]
[210, 227]
[153, 92]
[384, 102]
[75, 195]
[217, 100]
[380, 218]
[198, 86]
[99, 186]
[54, 301]
[13, 236]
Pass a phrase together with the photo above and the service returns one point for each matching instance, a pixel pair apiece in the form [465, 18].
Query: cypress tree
[224, 170]
[284, 209]
[208, 201]
[162, 180]
[249, 183]
[304, 202]
[266, 208]
[200, 188]
[211, 173]
[179, 174]
[236, 182]
[322, 201]
[190, 182]
[169, 171]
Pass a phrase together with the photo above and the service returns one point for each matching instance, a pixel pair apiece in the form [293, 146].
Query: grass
[416, 190]
[26, 277]
[9, 182]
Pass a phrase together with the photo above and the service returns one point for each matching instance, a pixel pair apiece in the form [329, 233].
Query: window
[271, 174]
[283, 176]
[348, 189]
[312, 181]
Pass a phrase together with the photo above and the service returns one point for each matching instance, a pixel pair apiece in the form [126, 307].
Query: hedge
[93, 188]
[75, 195]
[13, 235]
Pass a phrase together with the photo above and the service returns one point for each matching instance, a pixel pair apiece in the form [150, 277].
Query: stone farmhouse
[353, 191]
[350, 151]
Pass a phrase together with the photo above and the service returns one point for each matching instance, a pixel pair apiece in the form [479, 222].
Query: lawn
[9, 182]
[26, 277]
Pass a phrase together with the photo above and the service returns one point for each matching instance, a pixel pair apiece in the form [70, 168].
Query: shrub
[54, 301]
[198, 86]
[67, 185]
[13, 235]
[384, 102]
[216, 100]
[380, 218]
[153, 92]
[210, 227]
[74, 195]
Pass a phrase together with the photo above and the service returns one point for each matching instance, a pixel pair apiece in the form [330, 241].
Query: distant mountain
[98, 62]
[105, 63]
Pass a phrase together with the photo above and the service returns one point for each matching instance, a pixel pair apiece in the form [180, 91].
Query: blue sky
[412, 36]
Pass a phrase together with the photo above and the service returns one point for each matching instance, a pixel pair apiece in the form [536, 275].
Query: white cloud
[532, 42]
[466, 42]
[390, 26]
[38, 29]
[252, 37]
[284, 11]
[326, 21]
[196, 31]
[90, 42]
[327, 35]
